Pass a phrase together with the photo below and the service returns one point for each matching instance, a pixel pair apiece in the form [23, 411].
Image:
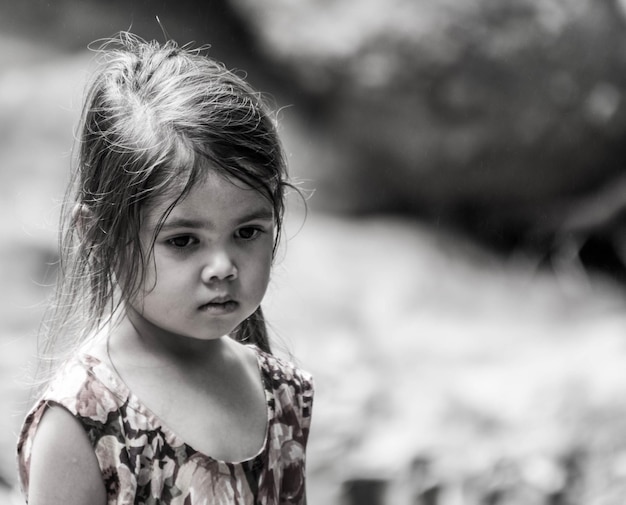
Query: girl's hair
[156, 118]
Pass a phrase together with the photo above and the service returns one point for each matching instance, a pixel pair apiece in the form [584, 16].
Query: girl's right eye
[182, 241]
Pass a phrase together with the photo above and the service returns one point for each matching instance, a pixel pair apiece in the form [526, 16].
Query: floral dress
[143, 462]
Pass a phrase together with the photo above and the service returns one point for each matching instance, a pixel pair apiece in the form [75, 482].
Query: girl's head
[158, 119]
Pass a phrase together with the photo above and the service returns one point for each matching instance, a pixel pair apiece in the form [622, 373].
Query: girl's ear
[81, 215]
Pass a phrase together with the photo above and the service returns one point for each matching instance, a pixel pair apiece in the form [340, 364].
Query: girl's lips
[220, 306]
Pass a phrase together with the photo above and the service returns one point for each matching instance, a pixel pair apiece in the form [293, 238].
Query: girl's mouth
[219, 307]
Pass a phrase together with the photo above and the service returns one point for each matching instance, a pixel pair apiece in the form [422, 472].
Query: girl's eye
[248, 233]
[182, 241]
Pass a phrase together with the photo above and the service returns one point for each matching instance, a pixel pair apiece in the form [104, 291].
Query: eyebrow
[183, 222]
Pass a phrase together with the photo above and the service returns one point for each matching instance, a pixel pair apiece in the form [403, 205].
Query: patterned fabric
[142, 462]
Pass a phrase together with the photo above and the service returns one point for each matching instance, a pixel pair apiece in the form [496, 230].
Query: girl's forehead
[213, 197]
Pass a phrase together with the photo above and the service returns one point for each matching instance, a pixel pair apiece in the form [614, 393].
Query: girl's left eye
[248, 233]
[182, 241]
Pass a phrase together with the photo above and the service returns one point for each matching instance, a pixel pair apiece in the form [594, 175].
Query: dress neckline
[109, 377]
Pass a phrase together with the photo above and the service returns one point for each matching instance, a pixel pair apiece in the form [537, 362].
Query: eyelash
[189, 241]
[256, 231]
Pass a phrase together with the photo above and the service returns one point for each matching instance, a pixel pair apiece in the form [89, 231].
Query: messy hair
[156, 117]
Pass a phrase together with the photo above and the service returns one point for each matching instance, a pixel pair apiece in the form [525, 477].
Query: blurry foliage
[73, 25]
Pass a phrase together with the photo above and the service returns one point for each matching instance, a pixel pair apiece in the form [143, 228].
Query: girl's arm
[63, 467]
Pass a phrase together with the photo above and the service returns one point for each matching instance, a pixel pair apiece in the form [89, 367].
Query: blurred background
[457, 287]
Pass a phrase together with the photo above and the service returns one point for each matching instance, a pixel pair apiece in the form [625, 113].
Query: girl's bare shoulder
[63, 468]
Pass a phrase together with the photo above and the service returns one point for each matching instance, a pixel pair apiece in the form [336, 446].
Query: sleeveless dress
[143, 462]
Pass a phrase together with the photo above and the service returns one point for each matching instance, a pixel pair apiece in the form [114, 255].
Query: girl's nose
[219, 267]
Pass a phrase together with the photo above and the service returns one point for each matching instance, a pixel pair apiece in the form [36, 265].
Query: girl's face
[210, 264]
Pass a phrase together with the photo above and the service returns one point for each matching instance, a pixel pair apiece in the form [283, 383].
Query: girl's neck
[154, 347]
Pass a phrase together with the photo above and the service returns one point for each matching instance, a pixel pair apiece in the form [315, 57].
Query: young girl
[172, 396]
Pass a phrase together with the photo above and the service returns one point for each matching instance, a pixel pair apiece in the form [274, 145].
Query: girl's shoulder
[80, 388]
[291, 392]
[84, 381]
[283, 371]
[292, 388]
